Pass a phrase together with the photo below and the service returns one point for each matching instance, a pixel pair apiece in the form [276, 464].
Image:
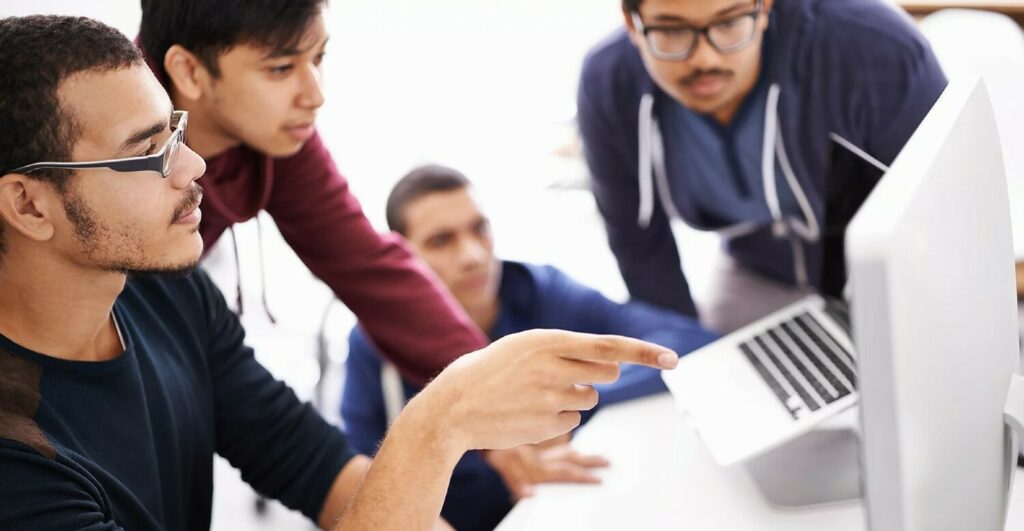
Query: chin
[283, 148]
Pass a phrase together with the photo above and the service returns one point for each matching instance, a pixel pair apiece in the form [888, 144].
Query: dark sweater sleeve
[37, 492]
[416, 323]
[570, 305]
[282, 447]
[362, 402]
[647, 257]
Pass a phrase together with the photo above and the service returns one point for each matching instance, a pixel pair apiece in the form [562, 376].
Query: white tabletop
[662, 477]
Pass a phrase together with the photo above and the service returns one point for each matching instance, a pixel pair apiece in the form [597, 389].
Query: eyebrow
[149, 132]
[277, 53]
[719, 13]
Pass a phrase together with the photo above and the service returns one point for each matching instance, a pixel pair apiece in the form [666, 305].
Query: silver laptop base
[817, 468]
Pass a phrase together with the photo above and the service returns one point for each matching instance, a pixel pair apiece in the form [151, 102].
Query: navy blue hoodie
[848, 71]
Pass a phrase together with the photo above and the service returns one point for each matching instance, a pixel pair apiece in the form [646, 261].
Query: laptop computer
[781, 376]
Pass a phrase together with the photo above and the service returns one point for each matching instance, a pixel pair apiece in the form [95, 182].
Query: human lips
[300, 131]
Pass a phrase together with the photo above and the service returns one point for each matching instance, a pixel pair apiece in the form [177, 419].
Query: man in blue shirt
[724, 114]
[117, 386]
[434, 208]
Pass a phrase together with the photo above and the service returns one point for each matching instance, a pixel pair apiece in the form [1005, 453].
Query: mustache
[700, 74]
[190, 202]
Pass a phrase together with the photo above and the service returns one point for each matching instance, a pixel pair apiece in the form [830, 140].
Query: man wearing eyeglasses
[723, 114]
[122, 371]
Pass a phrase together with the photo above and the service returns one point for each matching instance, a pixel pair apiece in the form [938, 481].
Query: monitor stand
[818, 468]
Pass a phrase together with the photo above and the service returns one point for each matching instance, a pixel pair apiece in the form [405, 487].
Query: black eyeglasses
[678, 42]
[162, 161]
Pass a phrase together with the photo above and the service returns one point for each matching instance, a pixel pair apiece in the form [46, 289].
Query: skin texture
[708, 82]
[58, 285]
[68, 253]
[266, 99]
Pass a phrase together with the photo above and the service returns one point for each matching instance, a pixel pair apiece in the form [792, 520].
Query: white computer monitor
[930, 259]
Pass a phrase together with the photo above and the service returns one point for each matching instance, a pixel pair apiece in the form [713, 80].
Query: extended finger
[616, 349]
[567, 472]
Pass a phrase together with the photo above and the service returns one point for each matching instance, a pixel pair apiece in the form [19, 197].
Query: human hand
[524, 467]
[530, 386]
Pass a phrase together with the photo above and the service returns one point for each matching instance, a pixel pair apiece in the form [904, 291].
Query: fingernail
[668, 360]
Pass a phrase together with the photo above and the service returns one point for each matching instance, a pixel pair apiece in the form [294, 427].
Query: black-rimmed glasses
[161, 162]
[678, 42]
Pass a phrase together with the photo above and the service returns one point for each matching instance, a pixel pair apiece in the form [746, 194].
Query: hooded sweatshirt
[408, 314]
[853, 73]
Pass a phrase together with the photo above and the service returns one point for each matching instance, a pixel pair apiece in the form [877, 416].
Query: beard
[119, 249]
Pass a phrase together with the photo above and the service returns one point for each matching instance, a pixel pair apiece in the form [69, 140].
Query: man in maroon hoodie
[248, 73]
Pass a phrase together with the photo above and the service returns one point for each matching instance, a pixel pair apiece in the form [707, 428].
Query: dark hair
[419, 182]
[631, 6]
[208, 28]
[36, 54]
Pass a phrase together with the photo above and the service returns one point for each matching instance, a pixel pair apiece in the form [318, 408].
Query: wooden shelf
[923, 7]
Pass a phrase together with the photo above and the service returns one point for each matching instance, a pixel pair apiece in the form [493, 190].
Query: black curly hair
[36, 54]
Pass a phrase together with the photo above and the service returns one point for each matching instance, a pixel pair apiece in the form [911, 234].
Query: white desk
[662, 477]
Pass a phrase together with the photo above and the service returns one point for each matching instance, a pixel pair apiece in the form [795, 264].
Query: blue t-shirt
[531, 297]
[129, 443]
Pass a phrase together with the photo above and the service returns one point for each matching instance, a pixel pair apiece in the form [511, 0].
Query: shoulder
[614, 77]
[864, 28]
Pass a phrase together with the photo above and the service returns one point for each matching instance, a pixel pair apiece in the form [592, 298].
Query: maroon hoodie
[409, 315]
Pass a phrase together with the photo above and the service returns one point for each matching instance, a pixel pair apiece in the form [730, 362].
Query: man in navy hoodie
[724, 114]
[435, 209]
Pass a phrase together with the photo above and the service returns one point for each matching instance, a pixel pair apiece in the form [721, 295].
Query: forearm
[406, 486]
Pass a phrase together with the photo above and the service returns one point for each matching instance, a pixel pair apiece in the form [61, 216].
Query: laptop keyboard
[803, 364]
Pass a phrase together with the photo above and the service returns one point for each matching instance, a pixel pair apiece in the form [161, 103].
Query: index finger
[589, 347]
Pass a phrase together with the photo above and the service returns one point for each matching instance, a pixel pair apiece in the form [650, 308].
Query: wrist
[430, 420]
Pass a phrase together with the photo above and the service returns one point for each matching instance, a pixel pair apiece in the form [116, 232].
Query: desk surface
[923, 7]
[663, 478]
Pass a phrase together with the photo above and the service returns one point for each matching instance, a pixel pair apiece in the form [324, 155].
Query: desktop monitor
[930, 261]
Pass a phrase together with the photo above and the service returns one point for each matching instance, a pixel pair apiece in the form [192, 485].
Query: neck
[484, 315]
[59, 309]
[205, 136]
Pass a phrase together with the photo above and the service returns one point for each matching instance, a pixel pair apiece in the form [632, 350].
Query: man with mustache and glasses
[122, 371]
[724, 114]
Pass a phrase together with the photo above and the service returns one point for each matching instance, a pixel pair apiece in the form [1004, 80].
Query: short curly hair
[36, 54]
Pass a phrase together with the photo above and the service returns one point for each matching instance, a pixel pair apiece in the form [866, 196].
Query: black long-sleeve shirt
[129, 443]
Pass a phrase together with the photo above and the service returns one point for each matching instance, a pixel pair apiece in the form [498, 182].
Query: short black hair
[417, 183]
[631, 6]
[208, 28]
[36, 54]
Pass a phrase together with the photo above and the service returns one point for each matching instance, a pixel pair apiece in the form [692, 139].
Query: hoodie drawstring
[239, 308]
[263, 271]
[652, 165]
[646, 118]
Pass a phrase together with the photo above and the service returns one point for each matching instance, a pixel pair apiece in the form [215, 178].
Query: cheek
[252, 107]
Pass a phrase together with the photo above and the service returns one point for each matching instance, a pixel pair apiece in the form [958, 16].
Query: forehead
[442, 211]
[691, 10]
[109, 106]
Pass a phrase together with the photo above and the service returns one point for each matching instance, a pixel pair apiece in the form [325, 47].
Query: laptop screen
[850, 180]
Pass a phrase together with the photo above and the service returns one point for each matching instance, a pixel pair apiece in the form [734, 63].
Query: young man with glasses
[122, 371]
[723, 114]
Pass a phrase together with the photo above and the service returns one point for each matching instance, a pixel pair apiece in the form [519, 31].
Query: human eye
[280, 70]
